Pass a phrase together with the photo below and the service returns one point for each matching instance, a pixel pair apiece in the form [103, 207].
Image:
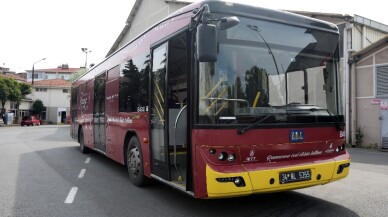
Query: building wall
[149, 13]
[381, 56]
[54, 97]
[368, 121]
[47, 76]
[363, 36]
[367, 103]
[54, 100]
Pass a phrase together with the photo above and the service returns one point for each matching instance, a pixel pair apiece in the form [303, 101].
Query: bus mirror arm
[206, 33]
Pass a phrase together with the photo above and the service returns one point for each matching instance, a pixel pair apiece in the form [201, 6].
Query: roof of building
[55, 70]
[53, 83]
[131, 17]
[13, 76]
[371, 47]
[128, 24]
[345, 17]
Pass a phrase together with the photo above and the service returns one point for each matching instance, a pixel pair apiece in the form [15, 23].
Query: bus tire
[135, 163]
[83, 148]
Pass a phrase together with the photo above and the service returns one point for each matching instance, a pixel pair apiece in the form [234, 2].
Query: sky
[58, 29]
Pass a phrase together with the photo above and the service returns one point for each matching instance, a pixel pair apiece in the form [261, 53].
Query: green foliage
[38, 106]
[25, 89]
[4, 91]
[78, 74]
[359, 136]
[12, 90]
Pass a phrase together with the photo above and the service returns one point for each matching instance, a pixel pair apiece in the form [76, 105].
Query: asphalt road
[43, 173]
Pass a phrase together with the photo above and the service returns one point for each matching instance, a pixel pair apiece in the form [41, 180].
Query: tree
[13, 91]
[25, 89]
[38, 107]
[4, 91]
[78, 74]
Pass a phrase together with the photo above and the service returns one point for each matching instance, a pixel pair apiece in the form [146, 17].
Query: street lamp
[86, 51]
[33, 75]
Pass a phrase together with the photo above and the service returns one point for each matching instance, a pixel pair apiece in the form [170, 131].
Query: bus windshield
[272, 72]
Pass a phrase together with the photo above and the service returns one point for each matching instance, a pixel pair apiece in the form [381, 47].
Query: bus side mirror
[207, 43]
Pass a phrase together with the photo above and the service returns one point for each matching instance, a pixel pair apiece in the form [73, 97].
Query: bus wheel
[83, 148]
[135, 163]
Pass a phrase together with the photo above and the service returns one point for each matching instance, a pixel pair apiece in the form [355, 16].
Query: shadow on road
[45, 177]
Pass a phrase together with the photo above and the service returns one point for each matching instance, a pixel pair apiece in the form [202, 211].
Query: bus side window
[134, 79]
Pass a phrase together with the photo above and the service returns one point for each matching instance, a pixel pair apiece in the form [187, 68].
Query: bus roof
[236, 9]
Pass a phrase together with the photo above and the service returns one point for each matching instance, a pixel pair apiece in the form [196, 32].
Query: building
[144, 14]
[356, 33]
[55, 95]
[369, 95]
[4, 70]
[51, 86]
[61, 72]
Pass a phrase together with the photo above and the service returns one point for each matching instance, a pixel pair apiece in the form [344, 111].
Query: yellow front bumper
[260, 181]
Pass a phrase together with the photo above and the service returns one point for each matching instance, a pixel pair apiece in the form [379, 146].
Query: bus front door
[158, 117]
[169, 111]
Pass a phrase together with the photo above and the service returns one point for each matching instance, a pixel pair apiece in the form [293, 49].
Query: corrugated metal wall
[363, 36]
[150, 12]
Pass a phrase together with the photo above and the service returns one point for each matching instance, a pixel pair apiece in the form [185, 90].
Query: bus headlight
[222, 156]
[231, 157]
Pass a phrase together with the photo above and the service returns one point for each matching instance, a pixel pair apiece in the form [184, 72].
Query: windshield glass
[265, 68]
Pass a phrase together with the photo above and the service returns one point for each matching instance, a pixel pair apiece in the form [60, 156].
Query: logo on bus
[296, 135]
[251, 157]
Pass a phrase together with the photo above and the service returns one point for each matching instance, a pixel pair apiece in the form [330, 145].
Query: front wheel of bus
[135, 163]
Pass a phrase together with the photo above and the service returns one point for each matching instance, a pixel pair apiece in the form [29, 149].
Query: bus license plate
[295, 176]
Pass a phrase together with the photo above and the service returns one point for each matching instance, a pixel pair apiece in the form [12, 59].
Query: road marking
[71, 195]
[82, 173]
[87, 160]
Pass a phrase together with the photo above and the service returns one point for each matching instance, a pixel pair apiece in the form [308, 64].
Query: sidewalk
[9, 125]
[361, 149]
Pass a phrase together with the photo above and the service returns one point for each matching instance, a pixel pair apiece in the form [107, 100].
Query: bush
[359, 136]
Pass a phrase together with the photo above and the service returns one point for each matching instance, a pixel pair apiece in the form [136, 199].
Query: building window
[41, 89]
[65, 90]
[14, 106]
[23, 113]
[382, 77]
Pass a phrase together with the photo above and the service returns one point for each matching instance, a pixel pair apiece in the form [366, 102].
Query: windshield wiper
[337, 125]
[243, 130]
[336, 122]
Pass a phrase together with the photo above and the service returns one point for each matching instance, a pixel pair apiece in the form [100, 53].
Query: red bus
[219, 100]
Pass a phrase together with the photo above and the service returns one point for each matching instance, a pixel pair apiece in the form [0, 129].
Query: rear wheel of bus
[135, 163]
[83, 148]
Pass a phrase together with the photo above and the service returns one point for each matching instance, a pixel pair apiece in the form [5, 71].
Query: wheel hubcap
[134, 161]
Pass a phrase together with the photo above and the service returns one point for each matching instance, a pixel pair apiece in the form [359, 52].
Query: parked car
[30, 120]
